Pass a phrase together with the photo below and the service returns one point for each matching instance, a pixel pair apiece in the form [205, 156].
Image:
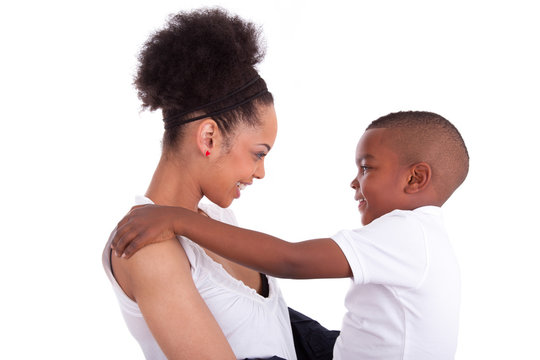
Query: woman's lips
[239, 187]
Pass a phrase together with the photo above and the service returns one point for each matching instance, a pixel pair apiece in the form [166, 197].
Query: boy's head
[406, 160]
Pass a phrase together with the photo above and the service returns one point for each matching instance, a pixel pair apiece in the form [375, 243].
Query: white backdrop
[75, 150]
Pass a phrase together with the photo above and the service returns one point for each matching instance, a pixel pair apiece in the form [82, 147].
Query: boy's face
[381, 180]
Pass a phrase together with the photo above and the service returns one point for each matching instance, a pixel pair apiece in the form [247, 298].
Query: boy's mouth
[361, 203]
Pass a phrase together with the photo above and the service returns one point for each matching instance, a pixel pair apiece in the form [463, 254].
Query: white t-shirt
[255, 326]
[404, 300]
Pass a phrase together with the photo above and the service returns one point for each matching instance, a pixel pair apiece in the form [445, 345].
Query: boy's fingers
[134, 245]
[116, 237]
[125, 220]
[124, 238]
[122, 222]
[120, 230]
[127, 217]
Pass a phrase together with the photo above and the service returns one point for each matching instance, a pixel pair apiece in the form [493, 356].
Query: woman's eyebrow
[268, 147]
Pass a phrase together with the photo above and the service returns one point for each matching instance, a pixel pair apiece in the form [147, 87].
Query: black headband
[174, 120]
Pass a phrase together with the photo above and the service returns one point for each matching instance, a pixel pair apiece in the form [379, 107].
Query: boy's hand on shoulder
[143, 225]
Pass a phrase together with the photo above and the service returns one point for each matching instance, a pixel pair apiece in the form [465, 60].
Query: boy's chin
[365, 219]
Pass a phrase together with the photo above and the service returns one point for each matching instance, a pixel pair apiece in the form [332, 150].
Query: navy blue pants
[312, 341]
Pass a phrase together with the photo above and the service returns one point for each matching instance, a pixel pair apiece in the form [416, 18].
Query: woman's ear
[419, 176]
[207, 134]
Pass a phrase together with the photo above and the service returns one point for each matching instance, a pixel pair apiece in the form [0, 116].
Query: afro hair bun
[198, 56]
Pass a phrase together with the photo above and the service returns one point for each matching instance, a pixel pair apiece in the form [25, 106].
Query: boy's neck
[413, 205]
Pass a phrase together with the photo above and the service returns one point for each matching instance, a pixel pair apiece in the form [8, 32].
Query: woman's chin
[225, 203]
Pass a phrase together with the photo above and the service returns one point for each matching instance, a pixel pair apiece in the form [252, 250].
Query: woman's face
[243, 160]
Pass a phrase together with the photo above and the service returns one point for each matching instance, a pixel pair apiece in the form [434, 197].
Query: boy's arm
[319, 258]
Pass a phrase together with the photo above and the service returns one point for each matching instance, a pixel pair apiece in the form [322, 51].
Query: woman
[181, 301]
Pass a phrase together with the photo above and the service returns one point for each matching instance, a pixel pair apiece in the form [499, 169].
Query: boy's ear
[419, 176]
[207, 136]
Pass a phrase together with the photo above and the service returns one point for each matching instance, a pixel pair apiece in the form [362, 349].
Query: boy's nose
[354, 184]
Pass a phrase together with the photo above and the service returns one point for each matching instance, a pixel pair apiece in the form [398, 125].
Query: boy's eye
[363, 169]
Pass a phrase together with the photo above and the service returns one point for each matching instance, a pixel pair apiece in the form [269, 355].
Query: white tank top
[255, 326]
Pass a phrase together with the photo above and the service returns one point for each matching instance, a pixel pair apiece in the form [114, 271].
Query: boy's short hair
[428, 137]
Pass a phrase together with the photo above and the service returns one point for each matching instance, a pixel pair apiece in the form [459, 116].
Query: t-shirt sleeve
[391, 250]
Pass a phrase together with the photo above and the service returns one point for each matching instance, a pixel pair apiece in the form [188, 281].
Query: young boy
[404, 301]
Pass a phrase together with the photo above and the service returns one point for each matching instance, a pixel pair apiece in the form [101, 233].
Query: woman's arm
[319, 258]
[159, 279]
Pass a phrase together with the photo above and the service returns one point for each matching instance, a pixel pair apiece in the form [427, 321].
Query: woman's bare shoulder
[158, 277]
[155, 262]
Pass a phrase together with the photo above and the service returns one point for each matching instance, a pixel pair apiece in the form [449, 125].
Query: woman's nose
[259, 172]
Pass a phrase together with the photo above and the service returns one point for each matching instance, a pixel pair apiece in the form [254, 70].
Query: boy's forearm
[253, 249]
[319, 258]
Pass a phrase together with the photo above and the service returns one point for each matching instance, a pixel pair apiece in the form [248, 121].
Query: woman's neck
[173, 184]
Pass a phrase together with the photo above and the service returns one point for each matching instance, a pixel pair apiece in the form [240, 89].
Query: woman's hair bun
[198, 56]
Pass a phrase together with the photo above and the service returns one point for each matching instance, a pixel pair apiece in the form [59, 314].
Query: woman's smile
[239, 187]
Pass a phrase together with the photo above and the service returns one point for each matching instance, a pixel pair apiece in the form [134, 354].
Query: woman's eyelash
[261, 155]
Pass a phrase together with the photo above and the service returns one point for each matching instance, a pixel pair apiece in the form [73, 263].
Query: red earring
[207, 153]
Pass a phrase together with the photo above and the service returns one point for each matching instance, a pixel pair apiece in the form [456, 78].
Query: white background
[75, 149]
